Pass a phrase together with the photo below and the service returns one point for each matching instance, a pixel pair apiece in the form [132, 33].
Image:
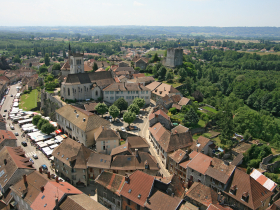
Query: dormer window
[245, 196]
[233, 189]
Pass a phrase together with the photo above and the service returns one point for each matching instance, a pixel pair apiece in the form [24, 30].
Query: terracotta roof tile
[218, 207]
[188, 206]
[175, 98]
[139, 184]
[191, 156]
[80, 202]
[246, 184]
[202, 194]
[200, 163]
[178, 155]
[6, 135]
[113, 182]
[176, 106]
[90, 107]
[137, 142]
[97, 160]
[120, 149]
[52, 190]
[237, 159]
[161, 201]
[106, 134]
[184, 101]
[200, 143]
[179, 129]
[92, 121]
[125, 87]
[153, 85]
[159, 112]
[164, 89]
[138, 75]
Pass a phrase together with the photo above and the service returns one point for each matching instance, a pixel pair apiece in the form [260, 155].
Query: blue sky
[220, 13]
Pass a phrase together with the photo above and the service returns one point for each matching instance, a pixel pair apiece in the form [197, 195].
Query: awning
[64, 136]
[58, 131]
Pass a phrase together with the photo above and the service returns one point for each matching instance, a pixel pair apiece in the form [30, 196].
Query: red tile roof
[191, 156]
[200, 163]
[52, 190]
[4, 134]
[159, 112]
[178, 155]
[138, 188]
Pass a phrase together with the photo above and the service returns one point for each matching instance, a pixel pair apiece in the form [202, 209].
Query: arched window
[68, 91]
[78, 89]
[96, 93]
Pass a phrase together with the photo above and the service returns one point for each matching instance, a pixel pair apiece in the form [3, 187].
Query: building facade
[174, 57]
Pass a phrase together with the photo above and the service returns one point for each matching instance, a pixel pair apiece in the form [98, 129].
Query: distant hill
[152, 30]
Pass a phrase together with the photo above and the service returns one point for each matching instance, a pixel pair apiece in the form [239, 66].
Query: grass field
[135, 43]
[210, 109]
[159, 52]
[29, 101]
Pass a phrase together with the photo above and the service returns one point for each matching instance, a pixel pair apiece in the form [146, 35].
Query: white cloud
[138, 4]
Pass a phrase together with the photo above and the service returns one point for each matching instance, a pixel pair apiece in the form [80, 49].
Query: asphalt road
[29, 150]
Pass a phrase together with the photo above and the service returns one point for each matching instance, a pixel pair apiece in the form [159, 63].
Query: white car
[123, 129]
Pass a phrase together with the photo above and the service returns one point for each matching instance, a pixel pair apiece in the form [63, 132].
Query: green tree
[41, 123]
[183, 74]
[95, 67]
[16, 59]
[191, 118]
[225, 122]
[43, 69]
[161, 73]
[114, 111]
[47, 59]
[169, 76]
[140, 102]
[155, 58]
[121, 103]
[64, 53]
[36, 119]
[173, 110]
[30, 64]
[56, 66]
[101, 108]
[247, 135]
[133, 108]
[47, 128]
[129, 117]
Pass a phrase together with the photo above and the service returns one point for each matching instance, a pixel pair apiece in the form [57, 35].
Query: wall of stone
[265, 165]
[174, 57]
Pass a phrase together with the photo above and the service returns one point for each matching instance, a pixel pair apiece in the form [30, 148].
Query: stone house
[160, 117]
[160, 90]
[142, 63]
[138, 143]
[175, 159]
[79, 124]
[70, 159]
[244, 192]
[108, 187]
[211, 172]
[204, 145]
[81, 202]
[3, 88]
[201, 196]
[106, 139]
[14, 164]
[142, 80]
[166, 142]
[98, 163]
[179, 129]
[121, 150]
[128, 91]
[142, 161]
[7, 138]
[165, 101]
[27, 189]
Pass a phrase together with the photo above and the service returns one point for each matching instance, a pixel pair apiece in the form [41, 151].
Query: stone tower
[76, 61]
[174, 57]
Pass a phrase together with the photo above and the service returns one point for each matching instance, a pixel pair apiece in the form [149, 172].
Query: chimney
[176, 132]
[136, 152]
[24, 178]
[56, 179]
[211, 163]
[164, 88]
[102, 127]
[148, 200]
[40, 170]
[3, 136]
[49, 175]
[42, 188]
[172, 194]
[126, 179]
[5, 161]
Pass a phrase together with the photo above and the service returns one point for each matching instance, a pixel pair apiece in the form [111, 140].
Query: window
[84, 176]
[117, 92]
[78, 62]
[74, 177]
[121, 92]
[112, 98]
[128, 92]
[66, 171]
[96, 93]
[147, 91]
[73, 170]
[142, 92]
[128, 202]
[136, 92]
[104, 195]
[132, 97]
[84, 170]
[133, 92]
[128, 208]
[68, 91]
[146, 97]
[113, 199]
[90, 169]
[103, 147]
[117, 97]
[138, 207]
[111, 92]
[126, 97]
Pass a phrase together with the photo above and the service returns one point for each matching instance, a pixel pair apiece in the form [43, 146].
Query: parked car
[35, 156]
[16, 133]
[122, 128]
[12, 96]
[44, 167]
[24, 143]
[118, 120]
[12, 127]
[132, 127]
[5, 110]
[4, 115]
[31, 160]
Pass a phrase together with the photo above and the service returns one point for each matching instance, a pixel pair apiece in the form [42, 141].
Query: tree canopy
[114, 111]
[47, 128]
[101, 108]
[140, 102]
[121, 103]
[36, 119]
[129, 117]
[133, 108]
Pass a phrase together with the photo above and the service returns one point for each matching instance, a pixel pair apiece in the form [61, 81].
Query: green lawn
[148, 75]
[29, 101]
[135, 43]
[159, 52]
[174, 84]
[210, 109]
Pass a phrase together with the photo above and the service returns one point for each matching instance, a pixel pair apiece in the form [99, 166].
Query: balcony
[69, 128]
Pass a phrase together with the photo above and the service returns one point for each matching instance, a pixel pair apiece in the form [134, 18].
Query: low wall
[270, 167]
